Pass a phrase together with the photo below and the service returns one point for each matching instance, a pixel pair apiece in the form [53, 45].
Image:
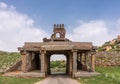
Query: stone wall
[105, 58]
[16, 66]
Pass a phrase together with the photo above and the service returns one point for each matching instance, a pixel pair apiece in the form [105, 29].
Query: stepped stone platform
[37, 73]
[86, 74]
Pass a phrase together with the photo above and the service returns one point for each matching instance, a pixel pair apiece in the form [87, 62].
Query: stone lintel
[36, 46]
[58, 47]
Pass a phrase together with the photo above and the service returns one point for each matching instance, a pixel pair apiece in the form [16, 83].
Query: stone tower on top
[59, 33]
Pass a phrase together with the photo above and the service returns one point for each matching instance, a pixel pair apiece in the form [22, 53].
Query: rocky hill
[113, 45]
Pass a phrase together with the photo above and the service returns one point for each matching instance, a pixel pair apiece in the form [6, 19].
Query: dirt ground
[58, 79]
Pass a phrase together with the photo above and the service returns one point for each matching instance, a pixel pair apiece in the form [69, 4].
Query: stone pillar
[86, 61]
[78, 56]
[29, 58]
[42, 57]
[68, 58]
[70, 65]
[33, 65]
[40, 61]
[49, 64]
[81, 57]
[24, 61]
[93, 62]
[85, 58]
[67, 64]
[46, 64]
[74, 62]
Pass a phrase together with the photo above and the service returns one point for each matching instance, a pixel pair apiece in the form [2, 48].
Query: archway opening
[58, 64]
[58, 35]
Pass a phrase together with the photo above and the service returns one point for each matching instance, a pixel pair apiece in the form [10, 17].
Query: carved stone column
[40, 61]
[85, 58]
[81, 57]
[46, 64]
[93, 62]
[42, 57]
[86, 61]
[24, 61]
[29, 58]
[67, 64]
[71, 64]
[74, 62]
[48, 68]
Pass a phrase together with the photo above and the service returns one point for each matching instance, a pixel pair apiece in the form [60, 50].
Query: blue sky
[94, 21]
[48, 12]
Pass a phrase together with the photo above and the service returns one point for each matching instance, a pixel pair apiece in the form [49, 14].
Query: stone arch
[59, 57]
[58, 35]
[68, 57]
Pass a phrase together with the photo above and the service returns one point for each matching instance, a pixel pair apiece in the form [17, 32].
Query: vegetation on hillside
[113, 45]
[58, 66]
[58, 63]
[7, 59]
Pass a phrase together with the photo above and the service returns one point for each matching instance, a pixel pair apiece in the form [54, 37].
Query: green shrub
[109, 75]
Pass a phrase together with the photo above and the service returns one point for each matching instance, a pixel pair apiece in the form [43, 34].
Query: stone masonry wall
[105, 58]
[16, 66]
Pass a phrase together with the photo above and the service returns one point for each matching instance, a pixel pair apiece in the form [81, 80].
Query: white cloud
[17, 28]
[57, 57]
[3, 5]
[96, 31]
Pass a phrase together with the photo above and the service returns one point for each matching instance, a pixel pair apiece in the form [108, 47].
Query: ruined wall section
[105, 58]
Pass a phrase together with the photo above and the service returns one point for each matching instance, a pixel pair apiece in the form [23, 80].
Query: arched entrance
[58, 64]
[64, 56]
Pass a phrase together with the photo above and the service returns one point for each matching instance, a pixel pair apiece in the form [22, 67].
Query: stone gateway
[36, 55]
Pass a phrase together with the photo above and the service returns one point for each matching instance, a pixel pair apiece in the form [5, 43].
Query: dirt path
[58, 79]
